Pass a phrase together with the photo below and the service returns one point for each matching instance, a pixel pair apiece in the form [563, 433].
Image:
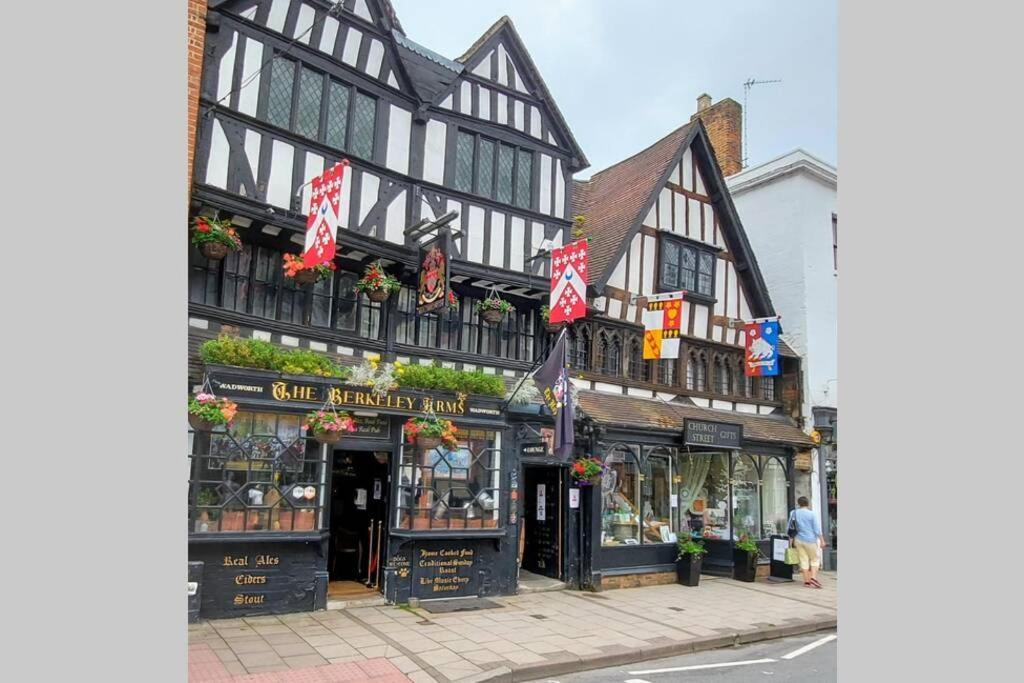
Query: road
[801, 659]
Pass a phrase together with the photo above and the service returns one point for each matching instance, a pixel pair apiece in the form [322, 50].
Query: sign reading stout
[714, 434]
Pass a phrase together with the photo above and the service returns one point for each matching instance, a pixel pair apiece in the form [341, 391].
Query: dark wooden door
[542, 509]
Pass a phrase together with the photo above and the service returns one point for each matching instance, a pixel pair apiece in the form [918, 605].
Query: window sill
[448, 533]
[256, 536]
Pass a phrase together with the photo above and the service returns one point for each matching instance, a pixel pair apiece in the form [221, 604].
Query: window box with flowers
[430, 432]
[206, 411]
[493, 309]
[588, 471]
[376, 284]
[296, 270]
[328, 427]
[215, 238]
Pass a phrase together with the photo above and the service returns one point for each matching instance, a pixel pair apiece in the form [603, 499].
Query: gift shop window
[704, 494]
[459, 489]
[260, 475]
[657, 497]
[620, 497]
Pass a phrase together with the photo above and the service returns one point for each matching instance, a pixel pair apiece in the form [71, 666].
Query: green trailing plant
[691, 547]
[207, 498]
[256, 353]
[207, 407]
[746, 545]
[578, 222]
[447, 379]
[545, 313]
[207, 230]
[375, 278]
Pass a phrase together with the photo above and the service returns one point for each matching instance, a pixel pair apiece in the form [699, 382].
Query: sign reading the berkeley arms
[281, 390]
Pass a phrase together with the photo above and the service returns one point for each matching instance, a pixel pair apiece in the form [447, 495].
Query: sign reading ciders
[714, 434]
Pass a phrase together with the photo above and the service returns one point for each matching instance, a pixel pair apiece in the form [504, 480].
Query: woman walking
[808, 541]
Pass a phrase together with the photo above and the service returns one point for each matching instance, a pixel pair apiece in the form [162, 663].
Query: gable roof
[430, 73]
[612, 200]
[616, 200]
[476, 52]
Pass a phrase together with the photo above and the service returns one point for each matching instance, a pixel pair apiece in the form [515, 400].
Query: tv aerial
[750, 83]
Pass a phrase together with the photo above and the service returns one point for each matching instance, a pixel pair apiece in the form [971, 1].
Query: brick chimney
[723, 121]
[196, 40]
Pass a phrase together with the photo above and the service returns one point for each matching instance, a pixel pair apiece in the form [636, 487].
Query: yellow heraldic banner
[662, 317]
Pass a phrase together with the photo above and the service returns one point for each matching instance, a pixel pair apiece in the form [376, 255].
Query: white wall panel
[519, 108]
[545, 184]
[251, 64]
[395, 225]
[346, 198]
[649, 261]
[700, 321]
[559, 190]
[651, 220]
[374, 58]
[279, 185]
[475, 223]
[720, 264]
[694, 215]
[217, 162]
[399, 127]
[618, 276]
[314, 167]
[516, 255]
[502, 105]
[665, 209]
[634, 264]
[351, 52]
[614, 308]
[329, 35]
[497, 257]
[466, 97]
[483, 69]
[433, 151]
[687, 165]
[226, 70]
[446, 103]
[534, 122]
[304, 24]
[363, 11]
[253, 142]
[502, 65]
[485, 103]
[278, 13]
[368, 195]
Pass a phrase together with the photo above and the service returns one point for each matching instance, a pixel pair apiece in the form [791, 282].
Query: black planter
[688, 570]
[744, 565]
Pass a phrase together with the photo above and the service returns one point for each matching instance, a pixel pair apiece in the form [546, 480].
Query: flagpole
[529, 372]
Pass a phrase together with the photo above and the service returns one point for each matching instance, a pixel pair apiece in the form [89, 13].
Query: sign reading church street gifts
[715, 434]
[277, 390]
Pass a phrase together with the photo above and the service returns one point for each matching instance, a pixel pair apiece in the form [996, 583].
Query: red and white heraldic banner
[324, 216]
[569, 282]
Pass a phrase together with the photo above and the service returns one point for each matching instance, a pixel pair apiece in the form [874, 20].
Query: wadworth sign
[270, 389]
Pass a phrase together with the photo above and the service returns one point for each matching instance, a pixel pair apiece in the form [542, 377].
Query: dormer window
[686, 265]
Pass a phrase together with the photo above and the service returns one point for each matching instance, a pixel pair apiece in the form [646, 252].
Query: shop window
[620, 495]
[262, 475]
[704, 494]
[446, 490]
[746, 498]
[657, 500]
[774, 503]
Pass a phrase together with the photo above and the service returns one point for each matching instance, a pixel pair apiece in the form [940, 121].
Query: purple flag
[552, 380]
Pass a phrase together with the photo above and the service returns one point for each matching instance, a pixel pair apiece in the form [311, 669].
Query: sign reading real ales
[715, 434]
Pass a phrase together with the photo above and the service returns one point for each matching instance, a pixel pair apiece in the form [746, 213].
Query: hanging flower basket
[214, 238]
[545, 314]
[296, 270]
[588, 471]
[429, 433]
[493, 309]
[328, 427]
[206, 411]
[376, 284]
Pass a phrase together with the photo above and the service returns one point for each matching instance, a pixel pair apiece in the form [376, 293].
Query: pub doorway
[360, 484]
[543, 524]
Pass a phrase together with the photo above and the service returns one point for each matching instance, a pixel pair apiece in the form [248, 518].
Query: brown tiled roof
[787, 350]
[612, 200]
[632, 411]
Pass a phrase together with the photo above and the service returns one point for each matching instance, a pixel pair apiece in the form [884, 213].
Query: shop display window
[620, 493]
[260, 475]
[458, 489]
[746, 498]
[774, 503]
[705, 494]
[657, 499]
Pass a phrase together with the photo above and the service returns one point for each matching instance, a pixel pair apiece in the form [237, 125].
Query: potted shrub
[376, 284]
[296, 270]
[688, 561]
[206, 411]
[744, 560]
[214, 238]
[588, 471]
[429, 433]
[545, 314]
[329, 427]
[493, 309]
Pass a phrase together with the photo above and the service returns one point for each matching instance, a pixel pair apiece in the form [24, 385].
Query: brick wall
[724, 123]
[196, 35]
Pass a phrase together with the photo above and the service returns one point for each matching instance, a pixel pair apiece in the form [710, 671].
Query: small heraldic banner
[762, 348]
[569, 282]
[552, 380]
[324, 216]
[662, 316]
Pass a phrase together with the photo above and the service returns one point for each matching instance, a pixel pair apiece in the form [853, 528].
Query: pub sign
[435, 272]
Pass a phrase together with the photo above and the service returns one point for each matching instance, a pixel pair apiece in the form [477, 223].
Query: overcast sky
[626, 73]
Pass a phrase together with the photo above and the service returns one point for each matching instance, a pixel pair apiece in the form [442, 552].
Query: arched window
[579, 349]
[667, 371]
[637, 365]
[721, 378]
[748, 386]
[613, 358]
[691, 372]
[702, 372]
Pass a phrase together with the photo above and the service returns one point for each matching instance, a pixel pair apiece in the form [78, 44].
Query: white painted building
[788, 207]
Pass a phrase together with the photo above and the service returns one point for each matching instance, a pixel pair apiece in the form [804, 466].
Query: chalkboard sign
[445, 570]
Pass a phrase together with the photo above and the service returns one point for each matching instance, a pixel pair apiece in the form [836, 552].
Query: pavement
[798, 659]
[531, 636]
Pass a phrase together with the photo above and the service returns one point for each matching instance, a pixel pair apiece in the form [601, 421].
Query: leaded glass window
[685, 267]
[337, 115]
[279, 103]
[707, 265]
[307, 112]
[485, 182]
[524, 175]
[464, 162]
[506, 161]
[364, 119]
